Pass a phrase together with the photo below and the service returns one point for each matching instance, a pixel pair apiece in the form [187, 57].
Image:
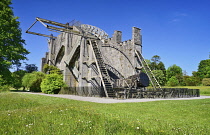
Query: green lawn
[22, 113]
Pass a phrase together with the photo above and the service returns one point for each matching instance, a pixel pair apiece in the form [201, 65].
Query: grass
[22, 113]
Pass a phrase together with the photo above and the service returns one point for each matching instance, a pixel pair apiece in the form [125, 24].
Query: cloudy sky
[176, 30]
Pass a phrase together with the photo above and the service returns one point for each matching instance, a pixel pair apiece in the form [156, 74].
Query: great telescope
[94, 64]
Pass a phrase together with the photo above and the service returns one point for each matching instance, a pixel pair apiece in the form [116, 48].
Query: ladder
[148, 71]
[105, 78]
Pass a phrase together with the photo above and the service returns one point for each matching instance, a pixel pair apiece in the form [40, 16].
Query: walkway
[110, 100]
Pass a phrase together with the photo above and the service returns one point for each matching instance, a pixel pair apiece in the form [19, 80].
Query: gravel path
[110, 100]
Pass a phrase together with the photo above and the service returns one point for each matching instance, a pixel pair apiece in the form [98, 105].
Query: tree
[31, 68]
[206, 81]
[154, 62]
[3, 86]
[197, 76]
[155, 59]
[173, 81]
[51, 69]
[175, 71]
[17, 65]
[27, 80]
[159, 75]
[148, 61]
[52, 83]
[191, 81]
[33, 81]
[17, 79]
[158, 69]
[161, 66]
[204, 69]
[11, 43]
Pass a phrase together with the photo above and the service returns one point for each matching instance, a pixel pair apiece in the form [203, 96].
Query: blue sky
[176, 30]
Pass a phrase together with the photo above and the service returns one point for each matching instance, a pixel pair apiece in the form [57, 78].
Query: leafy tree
[51, 69]
[52, 83]
[155, 59]
[161, 66]
[191, 81]
[154, 62]
[158, 69]
[31, 68]
[33, 81]
[17, 79]
[159, 75]
[206, 81]
[180, 79]
[27, 81]
[3, 85]
[17, 65]
[197, 76]
[204, 69]
[148, 61]
[173, 70]
[173, 81]
[11, 44]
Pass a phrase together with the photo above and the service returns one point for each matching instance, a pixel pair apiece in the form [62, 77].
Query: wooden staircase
[105, 78]
[148, 71]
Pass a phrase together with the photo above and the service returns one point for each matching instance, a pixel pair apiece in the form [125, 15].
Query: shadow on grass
[13, 90]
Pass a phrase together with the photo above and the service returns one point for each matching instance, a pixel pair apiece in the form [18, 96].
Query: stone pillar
[66, 70]
[81, 69]
[137, 38]
[51, 51]
[117, 37]
[43, 62]
[137, 42]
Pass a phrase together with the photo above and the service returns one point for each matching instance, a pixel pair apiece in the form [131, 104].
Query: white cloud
[178, 17]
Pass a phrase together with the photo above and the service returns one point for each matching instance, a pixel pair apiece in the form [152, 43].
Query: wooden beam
[62, 29]
[54, 23]
[39, 34]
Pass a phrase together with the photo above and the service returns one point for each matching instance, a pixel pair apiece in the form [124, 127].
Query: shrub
[191, 81]
[52, 83]
[173, 81]
[33, 81]
[26, 81]
[49, 69]
[17, 79]
[159, 75]
[3, 86]
[206, 81]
